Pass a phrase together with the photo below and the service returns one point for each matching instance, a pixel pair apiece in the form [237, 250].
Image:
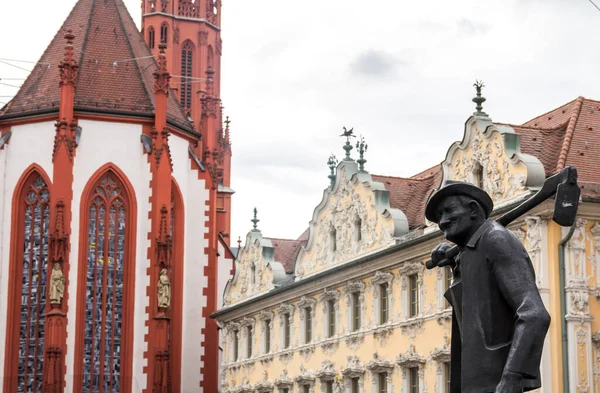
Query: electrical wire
[6, 84]
[594, 4]
[20, 61]
[16, 66]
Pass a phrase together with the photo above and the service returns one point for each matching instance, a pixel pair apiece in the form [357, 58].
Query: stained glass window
[106, 246]
[33, 290]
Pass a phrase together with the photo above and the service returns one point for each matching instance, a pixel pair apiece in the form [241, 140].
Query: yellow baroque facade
[349, 306]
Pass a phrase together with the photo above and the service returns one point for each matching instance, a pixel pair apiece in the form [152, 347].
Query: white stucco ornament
[353, 219]
[490, 157]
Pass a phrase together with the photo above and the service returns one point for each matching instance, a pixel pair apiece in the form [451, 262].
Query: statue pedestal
[55, 310]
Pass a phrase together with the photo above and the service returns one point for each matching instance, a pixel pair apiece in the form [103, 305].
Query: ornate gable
[354, 218]
[256, 271]
[490, 157]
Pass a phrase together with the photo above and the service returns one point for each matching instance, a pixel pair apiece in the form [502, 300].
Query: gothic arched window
[164, 33]
[186, 75]
[151, 37]
[105, 299]
[29, 269]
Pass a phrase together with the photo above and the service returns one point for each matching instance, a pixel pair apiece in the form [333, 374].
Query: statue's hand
[438, 255]
[510, 383]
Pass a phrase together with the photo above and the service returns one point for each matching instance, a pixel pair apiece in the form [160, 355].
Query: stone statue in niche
[499, 320]
[57, 285]
[164, 290]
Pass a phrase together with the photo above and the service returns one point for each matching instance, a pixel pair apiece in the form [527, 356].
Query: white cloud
[289, 85]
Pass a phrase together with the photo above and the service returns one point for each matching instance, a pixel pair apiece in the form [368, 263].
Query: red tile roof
[286, 251]
[104, 33]
[411, 194]
[567, 135]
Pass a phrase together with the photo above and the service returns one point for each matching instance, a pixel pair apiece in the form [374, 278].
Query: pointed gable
[354, 218]
[490, 157]
[260, 266]
[108, 81]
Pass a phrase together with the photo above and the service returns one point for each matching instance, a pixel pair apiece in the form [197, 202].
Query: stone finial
[239, 242]
[332, 164]
[255, 221]
[348, 146]
[361, 146]
[479, 99]
[161, 75]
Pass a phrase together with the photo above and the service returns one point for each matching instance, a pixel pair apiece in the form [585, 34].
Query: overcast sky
[400, 72]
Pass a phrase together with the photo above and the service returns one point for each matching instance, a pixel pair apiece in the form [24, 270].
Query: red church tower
[191, 30]
[116, 161]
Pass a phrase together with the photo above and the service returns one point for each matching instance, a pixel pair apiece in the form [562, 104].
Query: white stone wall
[195, 195]
[29, 144]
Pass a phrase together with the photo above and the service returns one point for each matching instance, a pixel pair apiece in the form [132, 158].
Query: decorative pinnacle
[361, 146]
[255, 221]
[347, 147]
[332, 163]
[479, 100]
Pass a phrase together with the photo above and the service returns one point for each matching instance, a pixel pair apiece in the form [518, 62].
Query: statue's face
[455, 219]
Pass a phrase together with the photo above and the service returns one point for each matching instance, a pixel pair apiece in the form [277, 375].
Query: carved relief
[346, 225]
[254, 275]
[410, 358]
[379, 365]
[490, 158]
[284, 381]
[535, 227]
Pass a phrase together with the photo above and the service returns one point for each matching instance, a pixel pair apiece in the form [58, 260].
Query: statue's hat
[452, 188]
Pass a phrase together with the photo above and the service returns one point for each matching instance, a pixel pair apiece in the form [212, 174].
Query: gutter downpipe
[563, 307]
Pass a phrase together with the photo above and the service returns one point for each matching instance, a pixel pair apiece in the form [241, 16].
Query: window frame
[127, 324]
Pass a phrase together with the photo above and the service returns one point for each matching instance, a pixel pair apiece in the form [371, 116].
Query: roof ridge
[558, 127]
[562, 158]
[425, 177]
[84, 41]
[279, 238]
[552, 110]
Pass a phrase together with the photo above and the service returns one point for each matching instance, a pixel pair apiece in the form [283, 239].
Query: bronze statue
[499, 320]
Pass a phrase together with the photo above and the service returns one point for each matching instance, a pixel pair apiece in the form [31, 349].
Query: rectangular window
[382, 383]
[329, 387]
[249, 342]
[355, 311]
[413, 287]
[267, 336]
[383, 303]
[331, 318]
[447, 377]
[308, 325]
[354, 385]
[286, 331]
[236, 346]
[414, 380]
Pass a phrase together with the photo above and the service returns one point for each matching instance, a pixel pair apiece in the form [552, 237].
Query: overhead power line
[7, 84]
[594, 4]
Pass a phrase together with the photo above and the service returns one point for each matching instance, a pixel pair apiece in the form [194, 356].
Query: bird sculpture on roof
[348, 133]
